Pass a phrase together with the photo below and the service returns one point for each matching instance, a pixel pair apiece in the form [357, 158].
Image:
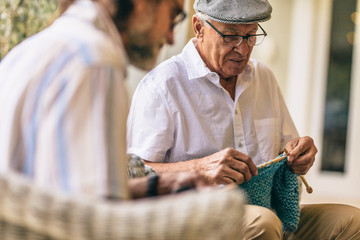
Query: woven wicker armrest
[28, 212]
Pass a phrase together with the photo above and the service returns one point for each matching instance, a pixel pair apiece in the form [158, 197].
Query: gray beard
[141, 56]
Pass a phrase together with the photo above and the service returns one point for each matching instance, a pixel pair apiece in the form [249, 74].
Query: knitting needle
[308, 188]
[271, 162]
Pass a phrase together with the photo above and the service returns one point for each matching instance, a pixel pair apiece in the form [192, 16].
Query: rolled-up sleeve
[151, 140]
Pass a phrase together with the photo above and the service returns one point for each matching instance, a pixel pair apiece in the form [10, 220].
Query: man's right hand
[175, 182]
[227, 166]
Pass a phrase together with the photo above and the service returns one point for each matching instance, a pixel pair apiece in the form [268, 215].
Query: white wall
[274, 51]
[306, 89]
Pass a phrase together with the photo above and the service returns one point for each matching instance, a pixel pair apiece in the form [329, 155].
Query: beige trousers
[317, 222]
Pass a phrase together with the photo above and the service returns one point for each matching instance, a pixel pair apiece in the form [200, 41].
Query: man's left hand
[302, 153]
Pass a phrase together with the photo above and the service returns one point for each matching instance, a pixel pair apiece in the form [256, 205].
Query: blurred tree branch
[20, 19]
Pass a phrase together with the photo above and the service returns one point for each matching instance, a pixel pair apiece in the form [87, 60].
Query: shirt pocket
[268, 137]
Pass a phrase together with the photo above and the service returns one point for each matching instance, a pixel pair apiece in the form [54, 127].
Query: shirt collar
[196, 67]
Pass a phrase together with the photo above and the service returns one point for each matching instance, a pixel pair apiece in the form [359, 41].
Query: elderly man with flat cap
[215, 111]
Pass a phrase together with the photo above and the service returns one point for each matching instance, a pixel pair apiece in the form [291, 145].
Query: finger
[239, 177]
[302, 147]
[293, 143]
[305, 159]
[248, 161]
[227, 180]
[243, 169]
[300, 168]
[234, 175]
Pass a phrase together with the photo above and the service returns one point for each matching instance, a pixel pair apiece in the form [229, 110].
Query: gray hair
[203, 17]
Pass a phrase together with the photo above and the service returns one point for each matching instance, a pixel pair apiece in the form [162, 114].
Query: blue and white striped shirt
[64, 105]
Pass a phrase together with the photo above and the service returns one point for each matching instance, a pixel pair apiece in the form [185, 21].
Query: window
[338, 85]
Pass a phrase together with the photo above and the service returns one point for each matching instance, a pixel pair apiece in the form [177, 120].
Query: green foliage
[20, 19]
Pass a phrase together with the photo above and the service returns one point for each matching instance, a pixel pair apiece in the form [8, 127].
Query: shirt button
[236, 112]
[240, 145]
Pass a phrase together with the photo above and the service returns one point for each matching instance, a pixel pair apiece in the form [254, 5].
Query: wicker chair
[30, 213]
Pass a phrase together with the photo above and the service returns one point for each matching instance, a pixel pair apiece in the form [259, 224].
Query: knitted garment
[137, 168]
[276, 187]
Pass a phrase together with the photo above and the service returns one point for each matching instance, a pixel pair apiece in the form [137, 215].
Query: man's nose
[243, 47]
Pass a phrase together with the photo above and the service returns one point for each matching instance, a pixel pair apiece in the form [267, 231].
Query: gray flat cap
[235, 11]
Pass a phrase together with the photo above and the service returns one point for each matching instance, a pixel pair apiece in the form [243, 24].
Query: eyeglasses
[252, 40]
[180, 16]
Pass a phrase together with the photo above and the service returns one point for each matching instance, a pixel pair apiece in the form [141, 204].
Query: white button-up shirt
[180, 112]
[64, 105]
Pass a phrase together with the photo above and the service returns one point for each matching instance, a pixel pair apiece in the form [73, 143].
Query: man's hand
[168, 183]
[227, 166]
[174, 182]
[302, 154]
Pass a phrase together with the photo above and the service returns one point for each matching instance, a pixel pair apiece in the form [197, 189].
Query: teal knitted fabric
[276, 187]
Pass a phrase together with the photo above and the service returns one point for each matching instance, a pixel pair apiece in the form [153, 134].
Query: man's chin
[143, 58]
[143, 61]
[235, 68]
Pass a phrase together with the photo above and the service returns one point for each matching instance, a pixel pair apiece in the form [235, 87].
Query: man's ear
[198, 27]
